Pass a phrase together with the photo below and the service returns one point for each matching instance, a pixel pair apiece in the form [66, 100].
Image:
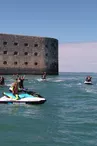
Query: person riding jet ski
[21, 85]
[88, 78]
[44, 75]
[14, 88]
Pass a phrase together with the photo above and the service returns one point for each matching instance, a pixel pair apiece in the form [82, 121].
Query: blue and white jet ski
[25, 98]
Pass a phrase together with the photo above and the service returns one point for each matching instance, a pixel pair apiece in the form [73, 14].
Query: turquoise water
[68, 118]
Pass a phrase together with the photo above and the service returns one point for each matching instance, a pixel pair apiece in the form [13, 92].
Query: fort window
[26, 53]
[46, 54]
[35, 45]
[15, 43]
[4, 62]
[4, 52]
[26, 63]
[35, 54]
[15, 63]
[35, 63]
[4, 43]
[26, 44]
[15, 53]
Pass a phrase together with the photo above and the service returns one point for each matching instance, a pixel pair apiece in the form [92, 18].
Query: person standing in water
[2, 80]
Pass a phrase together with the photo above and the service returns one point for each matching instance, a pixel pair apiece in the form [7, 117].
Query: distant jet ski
[88, 82]
[23, 98]
[43, 78]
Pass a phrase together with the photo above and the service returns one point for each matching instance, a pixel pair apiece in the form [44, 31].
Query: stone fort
[28, 55]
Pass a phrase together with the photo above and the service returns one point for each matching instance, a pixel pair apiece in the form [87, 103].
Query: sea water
[67, 118]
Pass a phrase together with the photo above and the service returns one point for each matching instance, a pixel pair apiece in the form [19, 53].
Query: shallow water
[68, 118]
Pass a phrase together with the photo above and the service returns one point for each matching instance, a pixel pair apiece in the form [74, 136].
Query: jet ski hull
[22, 102]
[9, 98]
[88, 83]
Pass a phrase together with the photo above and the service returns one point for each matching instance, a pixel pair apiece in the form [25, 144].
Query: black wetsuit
[21, 83]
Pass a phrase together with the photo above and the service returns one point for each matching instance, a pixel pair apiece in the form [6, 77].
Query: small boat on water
[24, 98]
[88, 82]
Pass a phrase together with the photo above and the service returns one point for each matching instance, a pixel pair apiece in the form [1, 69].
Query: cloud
[78, 57]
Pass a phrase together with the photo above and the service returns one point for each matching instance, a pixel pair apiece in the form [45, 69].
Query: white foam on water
[57, 80]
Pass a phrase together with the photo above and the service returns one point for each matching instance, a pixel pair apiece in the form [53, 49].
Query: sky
[78, 57]
[69, 21]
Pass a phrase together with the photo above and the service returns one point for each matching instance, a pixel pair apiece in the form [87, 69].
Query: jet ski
[88, 82]
[31, 92]
[27, 91]
[24, 98]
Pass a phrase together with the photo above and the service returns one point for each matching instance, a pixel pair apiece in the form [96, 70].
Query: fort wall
[28, 54]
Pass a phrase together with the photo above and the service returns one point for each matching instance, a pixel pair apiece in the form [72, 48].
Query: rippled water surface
[68, 118]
